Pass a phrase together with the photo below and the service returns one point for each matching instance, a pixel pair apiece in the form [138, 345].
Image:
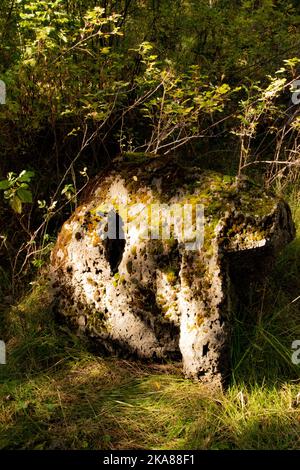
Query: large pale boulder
[171, 297]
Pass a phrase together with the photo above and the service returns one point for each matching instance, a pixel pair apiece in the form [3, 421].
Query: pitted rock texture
[155, 298]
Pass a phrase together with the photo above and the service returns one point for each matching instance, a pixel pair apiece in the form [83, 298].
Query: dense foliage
[89, 80]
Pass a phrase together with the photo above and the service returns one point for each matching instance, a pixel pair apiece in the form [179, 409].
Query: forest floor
[55, 394]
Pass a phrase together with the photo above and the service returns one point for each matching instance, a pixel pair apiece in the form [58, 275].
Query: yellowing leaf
[16, 204]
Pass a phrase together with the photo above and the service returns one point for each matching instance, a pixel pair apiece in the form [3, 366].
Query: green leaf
[227, 179]
[16, 204]
[25, 195]
[4, 184]
[69, 188]
[105, 50]
[26, 175]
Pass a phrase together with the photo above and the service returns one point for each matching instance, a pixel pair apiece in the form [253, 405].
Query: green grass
[54, 394]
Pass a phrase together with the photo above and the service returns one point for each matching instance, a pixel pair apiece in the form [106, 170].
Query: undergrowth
[55, 394]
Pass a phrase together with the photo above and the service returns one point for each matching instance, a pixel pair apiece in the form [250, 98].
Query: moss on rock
[155, 297]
